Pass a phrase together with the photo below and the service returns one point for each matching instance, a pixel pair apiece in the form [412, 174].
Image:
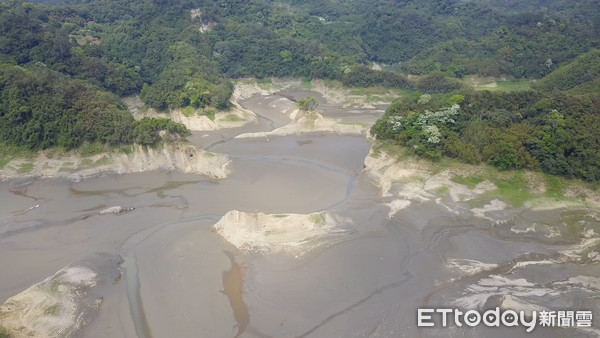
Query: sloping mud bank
[181, 156]
[62, 304]
[294, 234]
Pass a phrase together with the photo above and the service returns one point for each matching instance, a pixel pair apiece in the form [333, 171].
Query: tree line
[64, 68]
[557, 133]
[42, 108]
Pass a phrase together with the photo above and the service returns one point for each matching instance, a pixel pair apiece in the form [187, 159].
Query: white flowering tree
[423, 133]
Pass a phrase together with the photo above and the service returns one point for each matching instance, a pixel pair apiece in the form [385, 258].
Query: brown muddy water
[182, 280]
[233, 284]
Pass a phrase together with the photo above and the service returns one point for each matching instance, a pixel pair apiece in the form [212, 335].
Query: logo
[509, 318]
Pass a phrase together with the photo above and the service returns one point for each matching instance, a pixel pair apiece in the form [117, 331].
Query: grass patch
[90, 163]
[144, 109]
[4, 161]
[333, 84]
[400, 92]
[52, 310]
[393, 150]
[317, 219]
[86, 162]
[232, 118]
[308, 124]
[554, 186]
[469, 181]
[4, 333]
[102, 161]
[442, 190]
[53, 286]
[9, 152]
[55, 152]
[65, 169]
[90, 149]
[374, 98]
[444, 163]
[210, 113]
[25, 168]
[266, 84]
[306, 83]
[575, 223]
[188, 111]
[309, 119]
[512, 188]
[515, 85]
[355, 123]
[127, 149]
[368, 91]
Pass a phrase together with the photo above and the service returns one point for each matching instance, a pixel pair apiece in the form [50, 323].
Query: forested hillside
[63, 68]
[557, 133]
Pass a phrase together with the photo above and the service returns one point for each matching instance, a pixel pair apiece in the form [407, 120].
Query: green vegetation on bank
[512, 189]
[42, 108]
[4, 333]
[515, 187]
[469, 181]
[25, 168]
[63, 69]
[556, 133]
[307, 104]
[9, 152]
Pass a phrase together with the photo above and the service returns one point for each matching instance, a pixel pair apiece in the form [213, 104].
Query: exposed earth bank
[173, 156]
[62, 304]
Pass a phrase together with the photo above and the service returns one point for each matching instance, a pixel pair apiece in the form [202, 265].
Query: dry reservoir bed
[317, 252]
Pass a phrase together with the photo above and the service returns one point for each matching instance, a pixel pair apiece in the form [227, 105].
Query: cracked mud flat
[400, 246]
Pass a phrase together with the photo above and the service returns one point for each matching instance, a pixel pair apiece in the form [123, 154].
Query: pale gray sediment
[132, 283]
[62, 304]
[179, 279]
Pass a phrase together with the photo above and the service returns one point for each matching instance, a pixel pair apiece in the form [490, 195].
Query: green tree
[307, 104]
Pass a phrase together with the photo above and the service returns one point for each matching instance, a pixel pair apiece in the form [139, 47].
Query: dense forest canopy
[63, 68]
[309, 38]
[557, 133]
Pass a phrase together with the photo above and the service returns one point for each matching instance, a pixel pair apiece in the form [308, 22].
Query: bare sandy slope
[294, 234]
[246, 88]
[347, 97]
[175, 156]
[61, 304]
[195, 120]
[413, 181]
[311, 122]
[235, 117]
